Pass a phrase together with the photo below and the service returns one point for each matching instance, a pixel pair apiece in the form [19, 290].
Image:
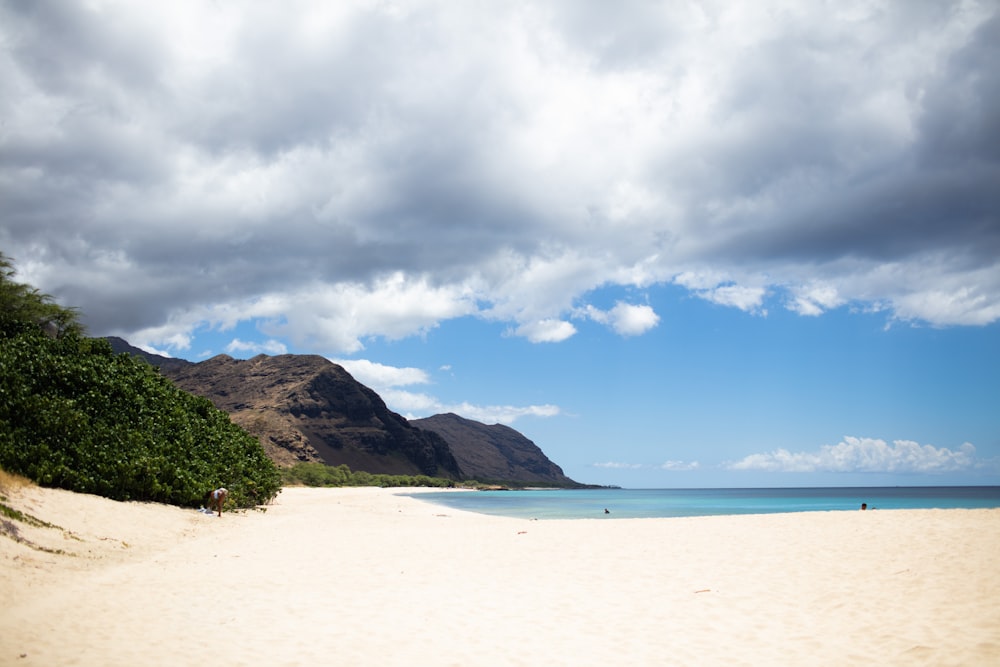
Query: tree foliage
[23, 307]
[75, 415]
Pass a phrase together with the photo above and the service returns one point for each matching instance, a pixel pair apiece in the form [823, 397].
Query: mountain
[494, 452]
[312, 408]
[306, 408]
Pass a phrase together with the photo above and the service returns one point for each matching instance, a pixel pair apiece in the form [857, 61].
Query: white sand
[365, 577]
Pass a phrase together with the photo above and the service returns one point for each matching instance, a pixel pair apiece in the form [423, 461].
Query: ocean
[649, 503]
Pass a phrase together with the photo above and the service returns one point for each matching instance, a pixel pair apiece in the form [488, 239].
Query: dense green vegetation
[318, 474]
[75, 415]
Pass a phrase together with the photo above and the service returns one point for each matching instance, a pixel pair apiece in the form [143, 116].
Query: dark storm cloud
[806, 175]
[960, 125]
[66, 49]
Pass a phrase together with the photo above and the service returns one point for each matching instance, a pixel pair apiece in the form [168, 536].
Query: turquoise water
[646, 503]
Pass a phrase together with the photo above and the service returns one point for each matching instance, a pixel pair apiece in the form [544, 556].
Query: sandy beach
[367, 577]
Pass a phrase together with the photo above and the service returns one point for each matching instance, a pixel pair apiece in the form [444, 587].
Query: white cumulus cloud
[240, 347]
[374, 374]
[546, 331]
[625, 319]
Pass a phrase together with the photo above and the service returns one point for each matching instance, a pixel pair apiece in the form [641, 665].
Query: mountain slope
[313, 408]
[494, 452]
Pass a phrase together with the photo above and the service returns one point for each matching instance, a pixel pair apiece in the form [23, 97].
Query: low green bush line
[318, 474]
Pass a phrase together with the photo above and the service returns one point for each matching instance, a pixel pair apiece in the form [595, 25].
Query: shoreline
[366, 576]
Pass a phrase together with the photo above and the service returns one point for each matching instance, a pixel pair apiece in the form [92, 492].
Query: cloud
[666, 465]
[340, 316]
[337, 172]
[417, 405]
[813, 300]
[723, 290]
[239, 347]
[865, 455]
[625, 319]
[617, 465]
[375, 374]
[546, 331]
[679, 465]
[501, 414]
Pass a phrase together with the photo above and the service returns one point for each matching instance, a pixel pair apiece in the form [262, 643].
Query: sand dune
[366, 577]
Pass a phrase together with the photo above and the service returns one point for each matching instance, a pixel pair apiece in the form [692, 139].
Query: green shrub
[74, 415]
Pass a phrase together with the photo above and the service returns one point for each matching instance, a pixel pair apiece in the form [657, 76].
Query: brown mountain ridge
[307, 408]
[494, 452]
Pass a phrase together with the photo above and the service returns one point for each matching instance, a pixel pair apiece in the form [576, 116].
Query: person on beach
[217, 499]
[864, 506]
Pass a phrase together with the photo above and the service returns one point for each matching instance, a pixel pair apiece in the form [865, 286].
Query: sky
[675, 244]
